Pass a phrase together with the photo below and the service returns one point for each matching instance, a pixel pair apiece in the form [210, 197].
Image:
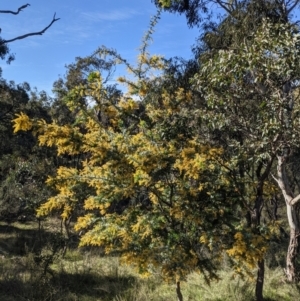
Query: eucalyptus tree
[239, 23]
[252, 105]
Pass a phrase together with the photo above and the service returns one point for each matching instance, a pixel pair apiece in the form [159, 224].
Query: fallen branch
[30, 34]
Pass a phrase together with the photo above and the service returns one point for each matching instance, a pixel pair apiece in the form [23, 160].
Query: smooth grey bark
[292, 208]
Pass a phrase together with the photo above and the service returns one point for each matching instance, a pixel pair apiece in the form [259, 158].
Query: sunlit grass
[87, 275]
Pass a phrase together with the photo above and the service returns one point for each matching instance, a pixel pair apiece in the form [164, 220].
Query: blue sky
[84, 26]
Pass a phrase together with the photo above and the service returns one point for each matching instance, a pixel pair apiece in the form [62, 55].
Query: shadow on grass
[14, 241]
[91, 285]
[18, 240]
[64, 286]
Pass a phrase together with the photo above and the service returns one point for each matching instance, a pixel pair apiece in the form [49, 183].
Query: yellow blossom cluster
[22, 123]
[248, 249]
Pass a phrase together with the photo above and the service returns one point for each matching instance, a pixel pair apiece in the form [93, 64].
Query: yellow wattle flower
[22, 123]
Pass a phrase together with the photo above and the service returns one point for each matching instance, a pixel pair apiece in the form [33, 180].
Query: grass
[86, 275]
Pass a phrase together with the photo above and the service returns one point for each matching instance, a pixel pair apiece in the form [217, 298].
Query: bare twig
[13, 12]
[224, 6]
[292, 6]
[31, 33]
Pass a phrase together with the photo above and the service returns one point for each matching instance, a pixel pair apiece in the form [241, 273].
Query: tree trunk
[178, 292]
[260, 281]
[293, 249]
[292, 208]
[255, 219]
[261, 263]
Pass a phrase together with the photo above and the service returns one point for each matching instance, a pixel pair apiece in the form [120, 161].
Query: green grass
[87, 275]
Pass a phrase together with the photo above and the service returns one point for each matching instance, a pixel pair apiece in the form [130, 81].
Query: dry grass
[87, 275]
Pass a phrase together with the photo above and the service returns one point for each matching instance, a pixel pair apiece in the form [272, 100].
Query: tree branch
[31, 33]
[295, 200]
[292, 7]
[13, 12]
[274, 178]
[223, 5]
[283, 182]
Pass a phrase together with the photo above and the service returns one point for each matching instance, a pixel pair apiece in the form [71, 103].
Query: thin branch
[13, 12]
[292, 7]
[30, 34]
[223, 5]
[277, 181]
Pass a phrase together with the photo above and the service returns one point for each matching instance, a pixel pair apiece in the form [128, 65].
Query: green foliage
[23, 165]
[244, 94]
[22, 188]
